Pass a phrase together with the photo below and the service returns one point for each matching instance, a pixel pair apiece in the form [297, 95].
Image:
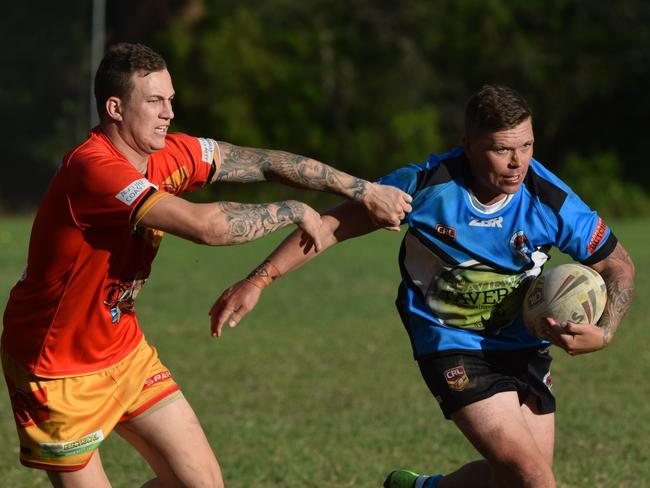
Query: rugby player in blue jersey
[484, 218]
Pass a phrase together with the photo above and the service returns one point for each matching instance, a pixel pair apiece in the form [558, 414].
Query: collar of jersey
[488, 209]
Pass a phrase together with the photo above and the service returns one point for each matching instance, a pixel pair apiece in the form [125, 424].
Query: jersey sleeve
[579, 231]
[582, 233]
[405, 178]
[195, 159]
[107, 192]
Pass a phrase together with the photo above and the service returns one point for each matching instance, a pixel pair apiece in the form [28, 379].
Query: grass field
[317, 388]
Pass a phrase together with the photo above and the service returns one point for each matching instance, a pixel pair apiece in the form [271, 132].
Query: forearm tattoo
[247, 222]
[244, 165]
[618, 273]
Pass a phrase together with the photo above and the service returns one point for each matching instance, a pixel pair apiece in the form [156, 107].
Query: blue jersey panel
[465, 272]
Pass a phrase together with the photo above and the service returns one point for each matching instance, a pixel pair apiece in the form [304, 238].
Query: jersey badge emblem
[520, 245]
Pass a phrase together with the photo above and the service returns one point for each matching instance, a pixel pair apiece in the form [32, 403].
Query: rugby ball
[569, 292]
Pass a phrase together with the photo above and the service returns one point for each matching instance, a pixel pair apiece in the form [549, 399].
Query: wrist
[363, 192]
[263, 275]
[296, 215]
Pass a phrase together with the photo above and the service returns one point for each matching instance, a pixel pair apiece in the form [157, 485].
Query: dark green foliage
[366, 85]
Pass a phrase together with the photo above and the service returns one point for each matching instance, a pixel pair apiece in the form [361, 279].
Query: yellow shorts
[61, 421]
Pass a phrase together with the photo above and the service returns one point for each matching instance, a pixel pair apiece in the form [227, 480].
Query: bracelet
[263, 275]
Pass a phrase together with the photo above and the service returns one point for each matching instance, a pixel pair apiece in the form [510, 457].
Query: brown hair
[494, 108]
[113, 77]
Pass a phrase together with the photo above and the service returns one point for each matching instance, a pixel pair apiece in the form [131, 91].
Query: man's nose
[167, 111]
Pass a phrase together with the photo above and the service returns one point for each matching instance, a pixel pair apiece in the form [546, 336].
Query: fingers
[387, 205]
[394, 228]
[230, 317]
[317, 242]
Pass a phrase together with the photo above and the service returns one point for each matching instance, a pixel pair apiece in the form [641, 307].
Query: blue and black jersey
[465, 267]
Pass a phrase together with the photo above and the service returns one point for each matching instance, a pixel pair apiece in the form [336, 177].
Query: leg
[513, 441]
[174, 444]
[542, 428]
[90, 476]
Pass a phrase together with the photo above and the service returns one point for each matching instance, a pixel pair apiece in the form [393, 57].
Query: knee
[212, 479]
[524, 473]
[208, 479]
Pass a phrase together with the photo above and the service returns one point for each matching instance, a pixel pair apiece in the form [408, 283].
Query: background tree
[365, 85]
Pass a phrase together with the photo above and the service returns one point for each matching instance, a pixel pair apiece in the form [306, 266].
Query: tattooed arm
[343, 222]
[387, 205]
[617, 270]
[225, 223]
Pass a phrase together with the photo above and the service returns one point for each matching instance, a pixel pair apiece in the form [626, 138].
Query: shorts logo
[129, 194]
[597, 236]
[456, 378]
[495, 222]
[445, 232]
[157, 378]
[70, 448]
[207, 150]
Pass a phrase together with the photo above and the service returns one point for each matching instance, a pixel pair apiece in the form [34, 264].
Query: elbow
[209, 235]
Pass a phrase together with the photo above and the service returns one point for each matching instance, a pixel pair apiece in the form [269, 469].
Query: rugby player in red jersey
[74, 357]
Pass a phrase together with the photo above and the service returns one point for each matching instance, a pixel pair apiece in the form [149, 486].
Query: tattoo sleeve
[244, 165]
[618, 272]
[247, 222]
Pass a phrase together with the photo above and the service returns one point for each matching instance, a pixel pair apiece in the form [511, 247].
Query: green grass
[317, 387]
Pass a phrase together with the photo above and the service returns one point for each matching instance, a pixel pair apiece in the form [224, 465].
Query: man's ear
[114, 108]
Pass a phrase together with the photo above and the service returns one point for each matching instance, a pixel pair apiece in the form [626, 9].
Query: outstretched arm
[387, 205]
[225, 223]
[617, 271]
[343, 222]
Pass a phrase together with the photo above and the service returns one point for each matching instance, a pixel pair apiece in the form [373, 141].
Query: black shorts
[460, 378]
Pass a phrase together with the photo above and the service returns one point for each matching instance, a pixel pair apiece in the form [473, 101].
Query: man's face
[146, 115]
[499, 161]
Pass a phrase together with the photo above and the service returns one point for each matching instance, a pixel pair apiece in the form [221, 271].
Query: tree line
[367, 85]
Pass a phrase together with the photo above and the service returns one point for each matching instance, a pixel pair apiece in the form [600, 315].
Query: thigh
[92, 475]
[542, 427]
[173, 442]
[502, 431]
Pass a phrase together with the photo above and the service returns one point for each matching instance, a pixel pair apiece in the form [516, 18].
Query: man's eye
[501, 150]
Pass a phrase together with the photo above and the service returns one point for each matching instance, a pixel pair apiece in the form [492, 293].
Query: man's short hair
[113, 77]
[494, 108]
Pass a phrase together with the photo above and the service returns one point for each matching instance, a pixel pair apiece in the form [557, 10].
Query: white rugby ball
[569, 292]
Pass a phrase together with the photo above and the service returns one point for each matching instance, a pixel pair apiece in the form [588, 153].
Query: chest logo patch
[495, 222]
[445, 232]
[520, 245]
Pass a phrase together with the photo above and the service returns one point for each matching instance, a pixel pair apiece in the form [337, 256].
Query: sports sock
[430, 482]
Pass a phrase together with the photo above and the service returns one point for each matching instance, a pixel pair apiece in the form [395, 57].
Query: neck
[137, 158]
[487, 197]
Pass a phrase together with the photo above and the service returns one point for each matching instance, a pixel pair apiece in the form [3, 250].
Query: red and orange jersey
[73, 312]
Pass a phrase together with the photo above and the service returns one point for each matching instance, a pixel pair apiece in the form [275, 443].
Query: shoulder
[545, 186]
[441, 169]
[180, 144]
[436, 170]
[94, 156]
